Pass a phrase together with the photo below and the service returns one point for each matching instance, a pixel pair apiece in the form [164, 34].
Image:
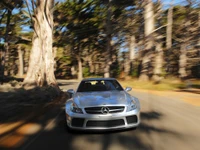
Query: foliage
[134, 73]
[86, 72]
[80, 29]
[165, 84]
[115, 69]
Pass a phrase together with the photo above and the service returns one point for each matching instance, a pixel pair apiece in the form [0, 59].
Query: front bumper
[114, 121]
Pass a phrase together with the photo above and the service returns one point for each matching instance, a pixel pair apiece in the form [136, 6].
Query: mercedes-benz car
[101, 104]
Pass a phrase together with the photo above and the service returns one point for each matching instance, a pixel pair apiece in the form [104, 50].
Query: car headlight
[132, 105]
[76, 109]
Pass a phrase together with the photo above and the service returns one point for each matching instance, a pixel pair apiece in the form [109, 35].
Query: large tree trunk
[21, 62]
[5, 52]
[182, 61]
[132, 47]
[169, 28]
[126, 64]
[158, 63]
[149, 29]
[109, 40]
[129, 57]
[41, 63]
[169, 34]
[199, 32]
[91, 65]
[80, 69]
[158, 58]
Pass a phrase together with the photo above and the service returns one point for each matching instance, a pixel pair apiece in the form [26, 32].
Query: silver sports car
[102, 104]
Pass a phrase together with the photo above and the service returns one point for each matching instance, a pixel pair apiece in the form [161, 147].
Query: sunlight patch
[50, 125]
[9, 126]
[12, 141]
[30, 128]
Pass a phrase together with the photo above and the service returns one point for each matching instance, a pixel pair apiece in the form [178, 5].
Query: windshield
[99, 85]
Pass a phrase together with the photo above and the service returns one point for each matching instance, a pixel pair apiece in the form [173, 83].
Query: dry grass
[165, 84]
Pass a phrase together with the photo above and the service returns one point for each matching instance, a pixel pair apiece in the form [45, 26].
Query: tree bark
[199, 31]
[158, 63]
[182, 62]
[132, 47]
[41, 63]
[109, 40]
[5, 52]
[126, 64]
[21, 63]
[149, 23]
[169, 28]
[80, 69]
[91, 65]
[149, 28]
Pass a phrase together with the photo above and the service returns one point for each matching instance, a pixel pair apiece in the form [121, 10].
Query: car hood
[90, 99]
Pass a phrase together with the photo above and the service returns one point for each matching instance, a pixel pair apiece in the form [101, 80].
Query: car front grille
[98, 110]
[107, 123]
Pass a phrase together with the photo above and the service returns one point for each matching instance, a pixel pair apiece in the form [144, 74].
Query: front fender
[68, 106]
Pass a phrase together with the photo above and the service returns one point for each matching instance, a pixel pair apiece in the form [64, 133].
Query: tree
[158, 58]
[41, 63]
[108, 40]
[148, 31]
[134, 31]
[185, 37]
[79, 26]
[8, 6]
[169, 27]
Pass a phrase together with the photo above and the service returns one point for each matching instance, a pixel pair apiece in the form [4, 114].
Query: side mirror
[127, 89]
[70, 92]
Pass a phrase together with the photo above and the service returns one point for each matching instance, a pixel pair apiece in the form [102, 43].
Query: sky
[174, 2]
[166, 4]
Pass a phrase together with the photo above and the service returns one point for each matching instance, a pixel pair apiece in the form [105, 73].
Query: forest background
[144, 43]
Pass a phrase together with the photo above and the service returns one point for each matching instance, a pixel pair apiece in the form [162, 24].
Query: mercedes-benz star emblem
[104, 110]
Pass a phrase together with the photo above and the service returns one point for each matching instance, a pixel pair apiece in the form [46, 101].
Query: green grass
[165, 84]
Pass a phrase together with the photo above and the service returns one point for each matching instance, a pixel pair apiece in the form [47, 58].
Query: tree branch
[27, 4]
[32, 2]
[8, 6]
[159, 28]
[2, 16]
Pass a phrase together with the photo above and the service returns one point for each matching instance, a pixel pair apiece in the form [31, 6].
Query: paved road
[167, 124]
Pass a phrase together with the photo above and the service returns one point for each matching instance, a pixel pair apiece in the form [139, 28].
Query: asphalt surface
[167, 123]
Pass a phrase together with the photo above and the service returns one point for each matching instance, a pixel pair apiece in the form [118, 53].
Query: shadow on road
[123, 139]
[43, 127]
[49, 132]
[21, 111]
[67, 83]
[194, 91]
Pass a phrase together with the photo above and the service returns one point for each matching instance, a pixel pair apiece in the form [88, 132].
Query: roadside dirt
[191, 96]
[17, 102]
[19, 107]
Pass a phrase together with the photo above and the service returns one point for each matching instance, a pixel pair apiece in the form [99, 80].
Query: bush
[134, 73]
[86, 72]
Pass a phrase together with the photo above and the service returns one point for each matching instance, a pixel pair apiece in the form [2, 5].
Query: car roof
[90, 79]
